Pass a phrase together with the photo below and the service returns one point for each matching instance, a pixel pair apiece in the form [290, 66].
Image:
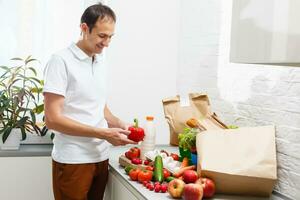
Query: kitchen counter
[28, 150]
[141, 192]
[38, 151]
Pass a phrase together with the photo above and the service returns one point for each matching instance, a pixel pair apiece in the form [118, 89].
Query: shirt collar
[81, 55]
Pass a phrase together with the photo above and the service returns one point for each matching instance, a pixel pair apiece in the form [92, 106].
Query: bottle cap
[149, 118]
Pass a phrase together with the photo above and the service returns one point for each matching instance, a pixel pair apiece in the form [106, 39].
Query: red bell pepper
[136, 133]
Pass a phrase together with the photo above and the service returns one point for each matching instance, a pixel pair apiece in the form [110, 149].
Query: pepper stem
[136, 123]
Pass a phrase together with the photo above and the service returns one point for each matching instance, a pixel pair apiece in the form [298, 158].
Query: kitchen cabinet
[117, 190]
[25, 178]
[265, 32]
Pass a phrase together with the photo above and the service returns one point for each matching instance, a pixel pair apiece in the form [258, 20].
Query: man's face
[100, 36]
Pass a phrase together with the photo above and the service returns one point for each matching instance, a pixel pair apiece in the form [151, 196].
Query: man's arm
[57, 121]
[113, 121]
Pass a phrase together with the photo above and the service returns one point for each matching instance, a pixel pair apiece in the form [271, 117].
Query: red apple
[192, 191]
[175, 188]
[209, 187]
[190, 176]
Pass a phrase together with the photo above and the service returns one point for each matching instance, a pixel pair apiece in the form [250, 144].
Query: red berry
[157, 183]
[163, 188]
[148, 185]
[146, 162]
[157, 188]
[145, 183]
[151, 187]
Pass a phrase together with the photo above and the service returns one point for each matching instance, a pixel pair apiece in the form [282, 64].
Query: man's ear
[84, 28]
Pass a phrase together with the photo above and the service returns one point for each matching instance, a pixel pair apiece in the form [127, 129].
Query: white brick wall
[241, 94]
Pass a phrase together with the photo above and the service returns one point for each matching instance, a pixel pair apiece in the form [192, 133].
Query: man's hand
[118, 137]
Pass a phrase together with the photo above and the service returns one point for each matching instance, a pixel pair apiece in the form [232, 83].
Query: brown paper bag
[199, 108]
[240, 161]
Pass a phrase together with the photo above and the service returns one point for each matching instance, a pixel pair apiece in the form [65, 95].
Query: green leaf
[30, 60]
[32, 116]
[22, 121]
[44, 131]
[23, 133]
[6, 133]
[33, 70]
[5, 68]
[17, 59]
[39, 109]
[36, 90]
[28, 57]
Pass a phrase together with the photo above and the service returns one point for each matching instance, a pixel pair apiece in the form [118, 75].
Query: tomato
[174, 156]
[133, 174]
[133, 152]
[166, 173]
[150, 168]
[145, 175]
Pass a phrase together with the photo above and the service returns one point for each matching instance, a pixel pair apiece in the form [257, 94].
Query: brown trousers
[79, 181]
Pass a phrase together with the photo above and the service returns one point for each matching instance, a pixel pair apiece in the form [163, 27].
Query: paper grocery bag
[198, 108]
[241, 161]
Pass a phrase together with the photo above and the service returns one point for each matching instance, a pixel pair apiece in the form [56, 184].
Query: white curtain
[38, 27]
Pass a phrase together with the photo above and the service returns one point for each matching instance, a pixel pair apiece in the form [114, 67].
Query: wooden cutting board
[124, 162]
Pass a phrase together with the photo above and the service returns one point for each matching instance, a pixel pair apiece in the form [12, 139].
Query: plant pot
[13, 140]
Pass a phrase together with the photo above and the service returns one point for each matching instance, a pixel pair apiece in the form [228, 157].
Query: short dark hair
[95, 12]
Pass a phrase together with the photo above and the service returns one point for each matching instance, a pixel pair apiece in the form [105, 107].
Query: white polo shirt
[72, 74]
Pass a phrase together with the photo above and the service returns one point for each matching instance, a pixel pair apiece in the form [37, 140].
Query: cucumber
[170, 178]
[158, 169]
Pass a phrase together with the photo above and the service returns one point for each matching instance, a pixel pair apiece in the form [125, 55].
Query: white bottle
[148, 144]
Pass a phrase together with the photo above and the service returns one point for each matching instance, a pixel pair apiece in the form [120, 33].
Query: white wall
[143, 61]
[242, 94]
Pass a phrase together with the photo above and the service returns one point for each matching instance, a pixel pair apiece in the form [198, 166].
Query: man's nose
[106, 42]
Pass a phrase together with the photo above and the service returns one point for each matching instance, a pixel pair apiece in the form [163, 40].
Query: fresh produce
[209, 187]
[157, 188]
[133, 152]
[166, 173]
[175, 156]
[145, 183]
[128, 168]
[185, 162]
[170, 178]
[164, 188]
[151, 168]
[192, 192]
[176, 187]
[158, 169]
[136, 133]
[145, 175]
[190, 176]
[180, 172]
[133, 174]
[146, 162]
[136, 161]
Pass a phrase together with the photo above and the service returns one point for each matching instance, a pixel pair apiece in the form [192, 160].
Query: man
[76, 110]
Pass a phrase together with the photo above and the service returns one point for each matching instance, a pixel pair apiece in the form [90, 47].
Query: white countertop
[143, 193]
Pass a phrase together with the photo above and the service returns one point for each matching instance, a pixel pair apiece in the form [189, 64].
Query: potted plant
[187, 144]
[20, 91]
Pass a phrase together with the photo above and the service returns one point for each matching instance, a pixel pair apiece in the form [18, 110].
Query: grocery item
[148, 144]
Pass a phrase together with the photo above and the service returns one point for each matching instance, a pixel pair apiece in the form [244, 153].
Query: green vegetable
[232, 127]
[187, 138]
[158, 169]
[128, 168]
[170, 178]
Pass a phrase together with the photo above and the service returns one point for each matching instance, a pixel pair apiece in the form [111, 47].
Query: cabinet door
[26, 178]
[265, 31]
[115, 190]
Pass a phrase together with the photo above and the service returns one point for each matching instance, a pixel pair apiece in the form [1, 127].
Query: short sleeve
[55, 76]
